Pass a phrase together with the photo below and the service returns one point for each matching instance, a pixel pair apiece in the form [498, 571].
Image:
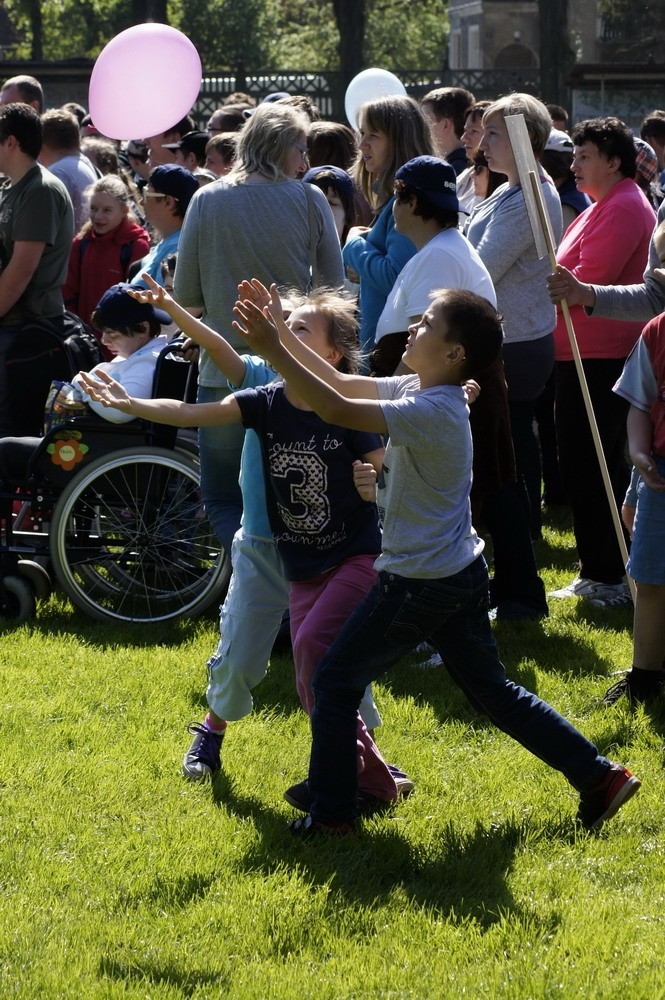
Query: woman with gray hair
[499, 229]
[261, 221]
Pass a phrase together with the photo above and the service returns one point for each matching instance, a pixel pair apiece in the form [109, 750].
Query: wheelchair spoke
[134, 542]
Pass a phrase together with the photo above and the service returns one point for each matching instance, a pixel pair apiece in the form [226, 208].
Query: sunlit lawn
[121, 880]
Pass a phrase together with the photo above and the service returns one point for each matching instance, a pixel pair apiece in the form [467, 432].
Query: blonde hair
[536, 117]
[265, 141]
[342, 316]
[114, 187]
[402, 121]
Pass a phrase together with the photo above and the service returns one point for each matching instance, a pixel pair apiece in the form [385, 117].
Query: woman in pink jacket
[607, 244]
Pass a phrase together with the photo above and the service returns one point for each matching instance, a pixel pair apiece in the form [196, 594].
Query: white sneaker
[601, 595]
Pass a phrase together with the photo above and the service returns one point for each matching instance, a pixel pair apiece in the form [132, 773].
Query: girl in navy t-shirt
[327, 535]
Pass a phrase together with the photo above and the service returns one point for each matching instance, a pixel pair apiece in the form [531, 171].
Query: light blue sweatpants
[250, 619]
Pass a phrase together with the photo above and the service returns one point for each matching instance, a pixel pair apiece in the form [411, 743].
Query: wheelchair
[114, 513]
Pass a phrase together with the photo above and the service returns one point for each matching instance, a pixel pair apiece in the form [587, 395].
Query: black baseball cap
[116, 309]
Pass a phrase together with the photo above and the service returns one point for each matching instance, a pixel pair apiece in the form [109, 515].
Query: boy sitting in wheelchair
[133, 331]
[94, 483]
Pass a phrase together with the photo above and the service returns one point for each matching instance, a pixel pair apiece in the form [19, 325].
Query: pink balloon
[144, 81]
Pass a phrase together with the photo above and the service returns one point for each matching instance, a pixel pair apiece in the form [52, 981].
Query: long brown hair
[401, 119]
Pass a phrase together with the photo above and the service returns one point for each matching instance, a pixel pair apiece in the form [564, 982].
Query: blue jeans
[219, 454]
[451, 614]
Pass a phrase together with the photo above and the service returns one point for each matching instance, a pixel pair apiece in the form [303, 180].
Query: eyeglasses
[153, 194]
[302, 150]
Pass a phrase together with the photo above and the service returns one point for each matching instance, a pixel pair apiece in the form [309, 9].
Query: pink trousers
[319, 607]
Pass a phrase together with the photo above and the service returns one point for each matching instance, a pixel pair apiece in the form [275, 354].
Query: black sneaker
[606, 798]
[203, 759]
[645, 685]
[300, 798]
[307, 828]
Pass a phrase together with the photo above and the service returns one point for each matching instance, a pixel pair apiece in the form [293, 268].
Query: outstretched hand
[154, 295]
[256, 326]
[256, 292]
[105, 390]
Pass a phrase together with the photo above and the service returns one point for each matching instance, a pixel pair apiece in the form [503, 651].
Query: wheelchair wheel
[37, 577]
[18, 604]
[130, 540]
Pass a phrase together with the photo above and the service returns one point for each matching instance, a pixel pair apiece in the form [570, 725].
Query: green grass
[118, 879]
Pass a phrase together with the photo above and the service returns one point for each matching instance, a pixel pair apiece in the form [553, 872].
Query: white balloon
[367, 86]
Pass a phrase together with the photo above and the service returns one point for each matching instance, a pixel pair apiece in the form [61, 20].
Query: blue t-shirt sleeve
[257, 372]
[638, 383]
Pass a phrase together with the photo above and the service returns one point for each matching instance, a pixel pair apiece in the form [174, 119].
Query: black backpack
[82, 346]
[44, 351]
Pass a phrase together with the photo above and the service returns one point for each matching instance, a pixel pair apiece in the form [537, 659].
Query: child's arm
[351, 386]
[640, 441]
[331, 406]
[375, 459]
[108, 392]
[630, 501]
[225, 357]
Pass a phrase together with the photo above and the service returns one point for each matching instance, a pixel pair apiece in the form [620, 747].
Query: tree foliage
[406, 34]
[257, 34]
[67, 28]
[632, 22]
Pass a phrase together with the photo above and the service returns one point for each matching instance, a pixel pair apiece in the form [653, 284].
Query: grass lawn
[121, 880]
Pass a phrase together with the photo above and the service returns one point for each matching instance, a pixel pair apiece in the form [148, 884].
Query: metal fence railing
[68, 80]
[327, 92]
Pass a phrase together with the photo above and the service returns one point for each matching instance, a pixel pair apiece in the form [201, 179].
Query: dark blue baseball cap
[339, 178]
[116, 309]
[434, 177]
[170, 178]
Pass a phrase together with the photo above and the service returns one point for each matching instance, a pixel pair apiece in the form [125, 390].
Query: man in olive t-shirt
[36, 232]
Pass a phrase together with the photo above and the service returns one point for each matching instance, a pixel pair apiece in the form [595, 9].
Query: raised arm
[350, 386]
[105, 390]
[261, 333]
[225, 357]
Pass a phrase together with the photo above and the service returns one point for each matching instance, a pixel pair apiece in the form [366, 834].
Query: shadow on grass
[554, 653]
[432, 686]
[552, 554]
[461, 875]
[608, 619]
[622, 724]
[186, 980]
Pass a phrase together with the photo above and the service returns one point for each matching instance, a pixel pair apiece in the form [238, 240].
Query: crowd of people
[383, 368]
